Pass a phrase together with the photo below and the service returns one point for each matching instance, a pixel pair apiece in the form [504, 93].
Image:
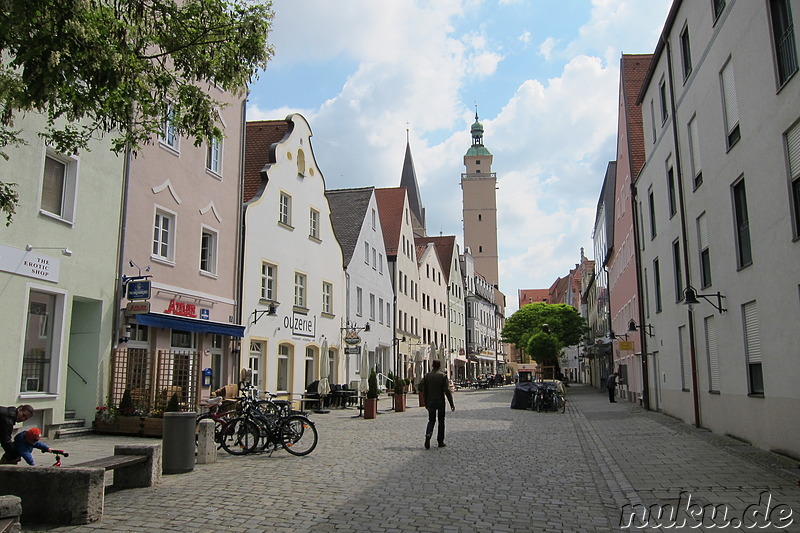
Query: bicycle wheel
[539, 403]
[239, 436]
[563, 401]
[298, 435]
[268, 407]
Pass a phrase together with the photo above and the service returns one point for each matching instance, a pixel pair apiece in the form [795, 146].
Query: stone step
[63, 433]
[69, 415]
[71, 423]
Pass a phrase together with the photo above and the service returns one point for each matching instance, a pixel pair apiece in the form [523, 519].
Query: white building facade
[718, 203]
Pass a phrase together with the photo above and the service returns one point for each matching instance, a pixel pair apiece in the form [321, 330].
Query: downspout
[240, 223]
[640, 289]
[684, 233]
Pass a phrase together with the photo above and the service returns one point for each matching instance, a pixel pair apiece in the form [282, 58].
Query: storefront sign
[301, 325]
[181, 309]
[352, 350]
[626, 345]
[139, 290]
[29, 264]
[137, 308]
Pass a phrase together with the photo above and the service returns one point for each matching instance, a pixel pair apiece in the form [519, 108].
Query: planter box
[399, 403]
[130, 425]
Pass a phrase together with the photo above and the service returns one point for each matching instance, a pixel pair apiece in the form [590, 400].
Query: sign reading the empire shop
[301, 325]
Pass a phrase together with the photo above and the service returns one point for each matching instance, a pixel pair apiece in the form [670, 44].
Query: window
[783, 35]
[793, 150]
[388, 312]
[672, 197]
[686, 53]
[662, 99]
[164, 235]
[719, 6]
[374, 259]
[313, 224]
[269, 274]
[214, 156]
[301, 164]
[752, 344]
[372, 307]
[380, 310]
[285, 211]
[744, 253]
[310, 365]
[208, 251]
[653, 120]
[694, 153]
[657, 282]
[284, 354]
[58, 185]
[169, 136]
[366, 252]
[676, 265]
[713, 354]
[299, 289]
[359, 301]
[652, 205]
[380, 263]
[327, 297]
[705, 254]
[254, 363]
[374, 219]
[480, 217]
[731, 105]
[38, 358]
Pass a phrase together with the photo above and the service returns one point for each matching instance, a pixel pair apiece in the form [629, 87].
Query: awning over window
[189, 324]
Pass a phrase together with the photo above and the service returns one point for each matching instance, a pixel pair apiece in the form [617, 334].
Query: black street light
[690, 297]
[647, 328]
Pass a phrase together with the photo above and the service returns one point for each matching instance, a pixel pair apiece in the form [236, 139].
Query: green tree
[525, 329]
[122, 66]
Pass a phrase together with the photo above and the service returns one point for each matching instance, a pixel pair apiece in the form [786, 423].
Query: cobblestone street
[502, 470]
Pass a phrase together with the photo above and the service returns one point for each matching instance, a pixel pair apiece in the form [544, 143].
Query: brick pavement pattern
[503, 470]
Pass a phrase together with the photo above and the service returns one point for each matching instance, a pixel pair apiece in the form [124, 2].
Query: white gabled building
[369, 299]
[293, 282]
[480, 317]
[433, 302]
[718, 201]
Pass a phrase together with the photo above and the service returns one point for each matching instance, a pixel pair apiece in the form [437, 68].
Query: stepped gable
[390, 209]
[348, 211]
[260, 137]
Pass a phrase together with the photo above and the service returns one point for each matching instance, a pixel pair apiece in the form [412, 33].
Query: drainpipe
[640, 289]
[684, 233]
[240, 224]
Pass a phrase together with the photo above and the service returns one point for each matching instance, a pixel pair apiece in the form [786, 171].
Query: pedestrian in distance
[435, 389]
[24, 443]
[611, 385]
[8, 417]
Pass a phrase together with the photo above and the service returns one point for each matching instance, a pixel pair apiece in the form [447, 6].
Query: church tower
[478, 185]
[408, 179]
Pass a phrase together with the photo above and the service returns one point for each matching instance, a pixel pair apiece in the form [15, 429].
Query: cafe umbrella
[324, 383]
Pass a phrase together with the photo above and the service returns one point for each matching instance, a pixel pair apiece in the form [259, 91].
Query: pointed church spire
[408, 179]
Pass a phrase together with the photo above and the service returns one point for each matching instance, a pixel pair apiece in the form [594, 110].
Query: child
[25, 442]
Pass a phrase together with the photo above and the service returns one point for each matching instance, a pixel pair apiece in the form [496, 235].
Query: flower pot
[120, 425]
[370, 407]
[399, 403]
[421, 399]
[152, 427]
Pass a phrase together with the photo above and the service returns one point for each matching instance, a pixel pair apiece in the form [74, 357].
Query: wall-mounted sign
[29, 264]
[626, 345]
[352, 338]
[301, 325]
[137, 308]
[181, 309]
[352, 350]
[139, 290]
[205, 314]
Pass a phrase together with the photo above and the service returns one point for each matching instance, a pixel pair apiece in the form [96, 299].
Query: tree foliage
[524, 327]
[117, 66]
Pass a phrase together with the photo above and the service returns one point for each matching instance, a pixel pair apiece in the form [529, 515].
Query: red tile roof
[527, 296]
[634, 70]
[445, 245]
[390, 209]
[260, 137]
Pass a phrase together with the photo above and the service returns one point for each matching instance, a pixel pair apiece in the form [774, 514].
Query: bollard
[206, 445]
[178, 453]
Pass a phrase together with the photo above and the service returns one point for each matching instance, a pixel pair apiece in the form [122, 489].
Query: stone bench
[74, 495]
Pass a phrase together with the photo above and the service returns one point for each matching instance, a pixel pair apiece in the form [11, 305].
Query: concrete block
[52, 495]
[10, 511]
[144, 474]
[206, 445]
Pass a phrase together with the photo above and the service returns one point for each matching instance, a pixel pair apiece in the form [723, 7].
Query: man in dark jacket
[8, 417]
[611, 385]
[435, 388]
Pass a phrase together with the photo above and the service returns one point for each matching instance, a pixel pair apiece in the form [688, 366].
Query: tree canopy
[525, 329]
[120, 66]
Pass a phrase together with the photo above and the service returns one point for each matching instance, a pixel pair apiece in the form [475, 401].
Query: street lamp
[272, 310]
[690, 296]
[647, 328]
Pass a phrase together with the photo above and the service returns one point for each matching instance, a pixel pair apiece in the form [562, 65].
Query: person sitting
[24, 443]
[9, 416]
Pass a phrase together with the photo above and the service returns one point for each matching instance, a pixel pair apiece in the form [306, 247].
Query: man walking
[435, 388]
[611, 385]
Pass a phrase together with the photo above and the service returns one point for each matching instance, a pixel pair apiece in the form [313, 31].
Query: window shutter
[702, 231]
[751, 335]
[729, 93]
[686, 363]
[793, 148]
[694, 138]
[713, 355]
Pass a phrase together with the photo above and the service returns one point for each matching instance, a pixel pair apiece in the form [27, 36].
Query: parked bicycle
[548, 397]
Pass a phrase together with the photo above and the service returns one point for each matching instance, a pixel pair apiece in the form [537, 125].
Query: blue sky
[544, 75]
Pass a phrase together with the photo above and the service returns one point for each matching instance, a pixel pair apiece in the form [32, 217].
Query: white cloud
[546, 48]
[525, 38]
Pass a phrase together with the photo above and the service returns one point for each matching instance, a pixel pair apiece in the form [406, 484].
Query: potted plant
[399, 395]
[371, 402]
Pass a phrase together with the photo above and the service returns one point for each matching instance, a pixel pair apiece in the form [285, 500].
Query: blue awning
[189, 324]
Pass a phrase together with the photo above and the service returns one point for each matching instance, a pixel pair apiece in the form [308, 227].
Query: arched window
[301, 163]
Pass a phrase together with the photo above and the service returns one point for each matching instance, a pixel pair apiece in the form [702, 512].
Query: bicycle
[293, 432]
